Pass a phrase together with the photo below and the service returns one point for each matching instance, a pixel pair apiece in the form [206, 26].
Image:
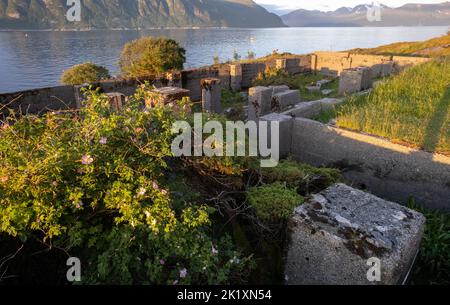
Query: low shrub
[273, 202]
[303, 177]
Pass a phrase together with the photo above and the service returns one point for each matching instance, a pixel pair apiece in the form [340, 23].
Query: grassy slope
[439, 46]
[411, 108]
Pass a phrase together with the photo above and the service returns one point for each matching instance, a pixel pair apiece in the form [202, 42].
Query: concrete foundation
[166, 95]
[236, 77]
[285, 136]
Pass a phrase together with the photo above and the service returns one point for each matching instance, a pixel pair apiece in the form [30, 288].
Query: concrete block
[313, 88]
[116, 100]
[355, 80]
[278, 89]
[285, 135]
[166, 95]
[338, 234]
[211, 95]
[283, 100]
[236, 77]
[259, 102]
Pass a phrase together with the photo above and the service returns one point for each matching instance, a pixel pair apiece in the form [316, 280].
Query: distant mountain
[100, 14]
[407, 15]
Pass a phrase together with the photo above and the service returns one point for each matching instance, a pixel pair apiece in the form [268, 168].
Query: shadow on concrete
[391, 171]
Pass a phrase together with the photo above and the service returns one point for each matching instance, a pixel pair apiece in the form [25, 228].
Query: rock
[340, 230]
[322, 82]
[327, 91]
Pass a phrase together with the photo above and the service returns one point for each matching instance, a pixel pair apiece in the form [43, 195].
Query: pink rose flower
[162, 262]
[87, 160]
[4, 178]
[183, 273]
[103, 140]
[155, 185]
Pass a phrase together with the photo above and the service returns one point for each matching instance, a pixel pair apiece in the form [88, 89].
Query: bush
[273, 202]
[93, 185]
[149, 56]
[84, 73]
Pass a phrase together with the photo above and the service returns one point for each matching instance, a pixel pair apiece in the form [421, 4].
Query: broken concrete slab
[285, 99]
[338, 234]
[322, 82]
[259, 102]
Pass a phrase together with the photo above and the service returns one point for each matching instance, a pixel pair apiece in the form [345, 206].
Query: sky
[285, 6]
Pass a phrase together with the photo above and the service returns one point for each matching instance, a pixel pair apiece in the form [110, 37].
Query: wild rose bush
[92, 183]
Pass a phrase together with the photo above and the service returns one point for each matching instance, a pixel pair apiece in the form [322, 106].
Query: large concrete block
[259, 102]
[355, 80]
[116, 100]
[285, 99]
[211, 95]
[236, 77]
[341, 232]
[285, 135]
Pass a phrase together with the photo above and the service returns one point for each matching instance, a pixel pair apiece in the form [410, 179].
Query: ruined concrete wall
[191, 80]
[224, 76]
[39, 101]
[333, 63]
[250, 71]
[388, 170]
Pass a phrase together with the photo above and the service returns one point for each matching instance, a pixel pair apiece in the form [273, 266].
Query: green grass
[300, 82]
[412, 108]
[439, 46]
[433, 261]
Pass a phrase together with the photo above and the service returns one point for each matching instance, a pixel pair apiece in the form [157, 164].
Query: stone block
[285, 99]
[285, 135]
[259, 102]
[355, 80]
[338, 234]
[211, 95]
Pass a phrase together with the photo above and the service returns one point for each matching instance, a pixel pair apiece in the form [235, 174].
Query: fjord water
[36, 59]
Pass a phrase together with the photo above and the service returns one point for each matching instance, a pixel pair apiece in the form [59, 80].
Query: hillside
[101, 14]
[439, 46]
[407, 15]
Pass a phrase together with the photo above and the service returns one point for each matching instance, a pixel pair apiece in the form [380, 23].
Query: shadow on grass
[437, 123]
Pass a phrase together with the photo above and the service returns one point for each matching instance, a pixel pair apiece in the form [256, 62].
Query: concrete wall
[388, 170]
[56, 98]
[191, 80]
[38, 101]
[250, 71]
[336, 62]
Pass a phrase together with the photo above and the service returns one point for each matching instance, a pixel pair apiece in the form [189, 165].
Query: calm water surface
[36, 59]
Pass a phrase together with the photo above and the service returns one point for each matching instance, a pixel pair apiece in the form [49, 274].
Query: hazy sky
[282, 6]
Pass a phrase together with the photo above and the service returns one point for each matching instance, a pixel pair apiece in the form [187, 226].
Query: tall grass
[411, 108]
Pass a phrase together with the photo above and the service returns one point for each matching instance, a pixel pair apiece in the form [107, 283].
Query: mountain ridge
[411, 14]
[135, 14]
